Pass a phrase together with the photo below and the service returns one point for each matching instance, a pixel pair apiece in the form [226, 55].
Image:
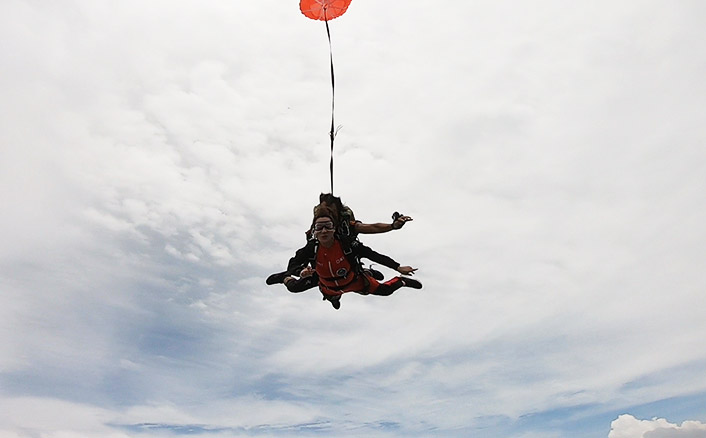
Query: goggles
[323, 226]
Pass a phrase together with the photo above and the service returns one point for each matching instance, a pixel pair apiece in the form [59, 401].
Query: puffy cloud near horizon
[627, 426]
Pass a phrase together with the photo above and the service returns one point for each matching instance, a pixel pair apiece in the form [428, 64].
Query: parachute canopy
[323, 10]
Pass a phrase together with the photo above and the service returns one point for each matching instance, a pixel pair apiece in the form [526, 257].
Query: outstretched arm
[371, 254]
[381, 227]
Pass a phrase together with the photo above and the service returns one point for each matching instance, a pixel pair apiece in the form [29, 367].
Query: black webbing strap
[332, 134]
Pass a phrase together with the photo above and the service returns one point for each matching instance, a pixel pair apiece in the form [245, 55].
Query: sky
[159, 159]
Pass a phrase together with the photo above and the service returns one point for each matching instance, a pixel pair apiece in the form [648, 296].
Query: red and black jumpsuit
[337, 274]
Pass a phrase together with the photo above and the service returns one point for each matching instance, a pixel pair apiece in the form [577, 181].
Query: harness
[349, 246]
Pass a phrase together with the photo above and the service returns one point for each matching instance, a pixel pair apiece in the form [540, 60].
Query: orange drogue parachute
[323, 10]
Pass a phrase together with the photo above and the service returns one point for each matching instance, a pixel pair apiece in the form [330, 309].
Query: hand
[400, 221]
[306, 272]
[406, 270]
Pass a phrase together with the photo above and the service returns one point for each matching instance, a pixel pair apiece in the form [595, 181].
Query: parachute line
[333, 131]
[326, 10]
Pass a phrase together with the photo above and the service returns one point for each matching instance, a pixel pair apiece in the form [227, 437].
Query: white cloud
[627, 426]
[29, 417]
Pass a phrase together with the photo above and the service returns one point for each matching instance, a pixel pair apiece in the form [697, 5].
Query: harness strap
[342, 286]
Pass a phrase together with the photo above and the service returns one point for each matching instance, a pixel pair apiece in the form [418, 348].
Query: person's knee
[383, 291]
[298, 285]
[292, 284]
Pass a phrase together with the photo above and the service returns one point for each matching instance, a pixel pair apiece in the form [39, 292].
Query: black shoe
[334, 300]
[411, 282]
[276, 278]
[375, 274]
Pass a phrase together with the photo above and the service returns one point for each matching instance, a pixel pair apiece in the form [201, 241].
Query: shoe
[411, 282]
[375, 274]
[276, 278]
[334, 300]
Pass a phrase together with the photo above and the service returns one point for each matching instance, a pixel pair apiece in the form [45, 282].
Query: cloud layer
[160, 160]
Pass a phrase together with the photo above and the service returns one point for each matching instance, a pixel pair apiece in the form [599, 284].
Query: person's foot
[335, 302]
[276, 278]
[411, 282]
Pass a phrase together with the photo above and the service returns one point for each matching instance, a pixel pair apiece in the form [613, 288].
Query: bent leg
[388, 287]
[296, 285]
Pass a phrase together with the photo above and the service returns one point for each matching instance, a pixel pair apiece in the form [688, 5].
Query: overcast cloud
[159, 159]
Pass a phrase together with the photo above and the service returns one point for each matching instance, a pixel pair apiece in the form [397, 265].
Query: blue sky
[160, 159]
